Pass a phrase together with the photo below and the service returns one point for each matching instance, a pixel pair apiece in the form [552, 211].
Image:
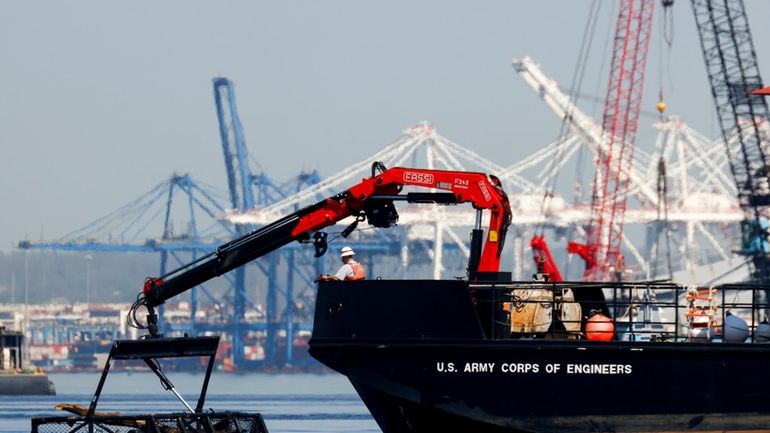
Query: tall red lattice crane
[601, 251]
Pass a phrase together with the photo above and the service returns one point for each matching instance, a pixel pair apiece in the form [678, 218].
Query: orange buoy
[600, 328]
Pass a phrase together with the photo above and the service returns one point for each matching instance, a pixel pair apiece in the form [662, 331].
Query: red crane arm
[543, 258]
[479, 189]
[373, 199]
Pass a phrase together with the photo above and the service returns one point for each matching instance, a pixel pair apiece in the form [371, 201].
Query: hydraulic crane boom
[371, 199]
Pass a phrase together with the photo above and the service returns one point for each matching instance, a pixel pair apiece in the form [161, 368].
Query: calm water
[297, 403]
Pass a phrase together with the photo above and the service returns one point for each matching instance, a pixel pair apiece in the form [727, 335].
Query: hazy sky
[102, 100]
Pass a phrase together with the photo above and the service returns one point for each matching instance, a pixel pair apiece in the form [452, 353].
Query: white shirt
[345, 271]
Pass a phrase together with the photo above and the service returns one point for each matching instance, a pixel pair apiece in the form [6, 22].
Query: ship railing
[220, 422]
[637, 311]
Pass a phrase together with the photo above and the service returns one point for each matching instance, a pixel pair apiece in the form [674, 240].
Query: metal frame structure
[700, 204]
[426, 236]
[733, 72]
[619, 126]
[701, 198]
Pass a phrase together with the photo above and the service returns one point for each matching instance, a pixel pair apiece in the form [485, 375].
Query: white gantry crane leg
[405, 252]
[714, 244]
[518, 256]
[438, 252]
[446, 156]
[578, 122]
[457, 240]
[691, 245]
[645, 267]
[684, 185]
[438, 226]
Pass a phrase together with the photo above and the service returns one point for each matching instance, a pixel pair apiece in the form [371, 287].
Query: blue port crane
[134, 227]
[239, 181]
[130, 228]
[239, 177]
[248, 191]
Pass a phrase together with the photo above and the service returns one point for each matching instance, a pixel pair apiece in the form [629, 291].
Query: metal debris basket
[219, 422]
[149, 350]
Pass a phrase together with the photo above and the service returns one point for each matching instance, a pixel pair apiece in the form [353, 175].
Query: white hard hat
[346, 252]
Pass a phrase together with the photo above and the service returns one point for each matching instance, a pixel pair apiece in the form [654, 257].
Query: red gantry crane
[615, 154]
[604, 233]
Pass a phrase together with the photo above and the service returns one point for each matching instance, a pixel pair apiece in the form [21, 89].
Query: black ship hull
[417, 353]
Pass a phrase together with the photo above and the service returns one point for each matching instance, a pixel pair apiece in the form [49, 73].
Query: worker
[351, 270]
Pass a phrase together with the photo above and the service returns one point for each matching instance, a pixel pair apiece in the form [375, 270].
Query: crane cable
[667, 38]
[598, 90]
[664, 223]
[577, 80]
[600, 101]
